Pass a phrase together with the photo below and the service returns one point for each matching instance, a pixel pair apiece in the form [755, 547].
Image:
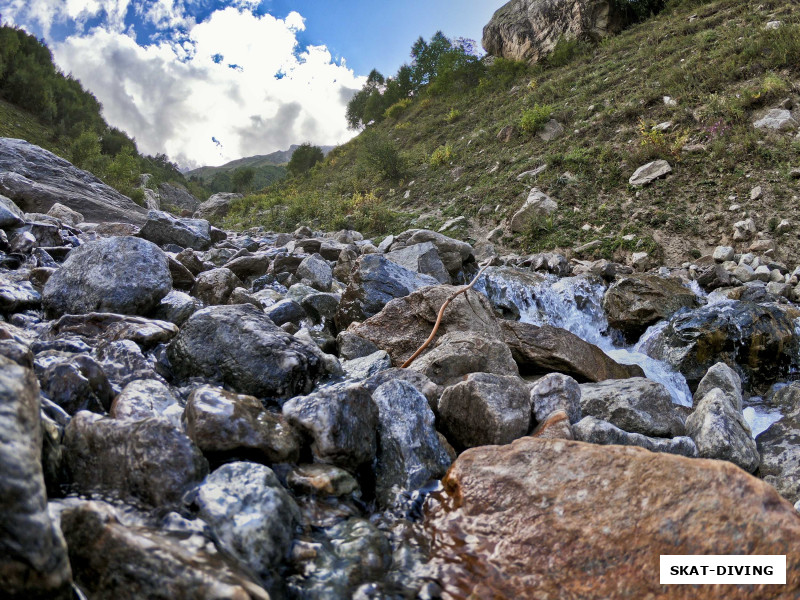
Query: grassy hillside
[17, 123]
[717, 59]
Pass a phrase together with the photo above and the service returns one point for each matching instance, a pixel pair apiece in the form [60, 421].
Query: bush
[533, 119]
[638, 10]
[397, 109]
[453, 115]
[566, 49]
[382, 155]
[303, 158]
[442, 155]
[502, 74]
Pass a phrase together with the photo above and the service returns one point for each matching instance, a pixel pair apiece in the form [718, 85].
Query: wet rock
[713, 277]
[176, 307]
[597, 431]
[365, 367]
[779, 446]
[93, 328]
[240, 346]
[720, 431]
[182, 278]
[17, 295]
[421, 258]
[321, 307]
[225, 424]
[142, 399]
[636, 405]
[344, 265]
[251, 514]
[453, 253]
[78, 383]
[321, 479]
[376, 280]
[341, 422]
[555, 427]
[459, 353]
[286, 311]
[404, 324]
[485, 409]
[111, 560]
[353, 346]
[33, 554]
[723, 377]
[409, 452]
[35, 179]
[635, 302]
[162, 228]
[123, 362]
[316, 271]
[546, 349]
[123, 275]
[556, 392]
[215, 287]
[147, 461]
[756, 339]
[609, 511]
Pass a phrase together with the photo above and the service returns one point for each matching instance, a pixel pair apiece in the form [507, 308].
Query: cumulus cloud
[233, 85]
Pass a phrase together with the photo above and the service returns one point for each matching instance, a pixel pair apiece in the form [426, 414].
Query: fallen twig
[427, 342]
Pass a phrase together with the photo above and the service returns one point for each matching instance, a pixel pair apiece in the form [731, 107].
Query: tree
[305, 157]
[426, 58]
[242, 179]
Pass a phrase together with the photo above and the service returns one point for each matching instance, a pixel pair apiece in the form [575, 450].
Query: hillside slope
[723, 63]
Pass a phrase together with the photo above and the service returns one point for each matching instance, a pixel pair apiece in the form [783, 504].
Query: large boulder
[33, 554]
[421, 258]
[404, 324]
[216, 207]
[756, 340]
[162, 228]
[546, 349]
[635, 302]
[36, 179]
[374, 281]
[238, 345]
[111, 560]
[779, 446]
[530, 29]
[453, 253]
[637, 405]
[177, 196]
[125, 275]
[147, 461]
[557, 519]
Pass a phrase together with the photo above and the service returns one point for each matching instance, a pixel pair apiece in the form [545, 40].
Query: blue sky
[207, 81]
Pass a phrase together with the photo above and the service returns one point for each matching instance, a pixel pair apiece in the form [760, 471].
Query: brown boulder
[546, 349]
[557, 519]
[405, 323]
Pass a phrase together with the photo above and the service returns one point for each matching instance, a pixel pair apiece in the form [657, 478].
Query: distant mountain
[279, 158]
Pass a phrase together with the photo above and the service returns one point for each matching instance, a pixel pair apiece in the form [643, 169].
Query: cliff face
[530, 29]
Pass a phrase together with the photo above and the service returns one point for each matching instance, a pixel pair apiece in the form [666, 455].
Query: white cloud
[46, 13]
[173, 97]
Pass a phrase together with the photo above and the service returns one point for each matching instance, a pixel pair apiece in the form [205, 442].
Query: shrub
[565, 50]
[453, 115]
[442, 155]
[382, 155]
[502, 74]
[303, 158]
[397, 109]
[533, 119]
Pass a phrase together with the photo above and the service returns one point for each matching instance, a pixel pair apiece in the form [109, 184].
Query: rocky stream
[192, 413]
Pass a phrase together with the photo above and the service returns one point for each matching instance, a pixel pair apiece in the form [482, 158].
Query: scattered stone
[215, 287]
[538, 205]
[552, 130]
[142, 399]
[65, 214]
[162, 228]
[316, 272]
[777, 119]
[648, 173]
[365, 367]
[553, 393]
[597, 431]
[421, 258]
[321, 479]
[721, 376]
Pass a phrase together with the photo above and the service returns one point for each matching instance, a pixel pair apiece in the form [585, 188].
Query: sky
[209, 81]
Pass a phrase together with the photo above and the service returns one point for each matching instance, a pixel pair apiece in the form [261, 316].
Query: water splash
[759, 418]
[575, 304]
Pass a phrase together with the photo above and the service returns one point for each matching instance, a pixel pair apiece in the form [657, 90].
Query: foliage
[453, 115]
[502, 74]
[638, 10]
[442, 155]
[566, 50]
[533, 119]
[303, 158]
[397, 109]
[242, 179]
[380, 154]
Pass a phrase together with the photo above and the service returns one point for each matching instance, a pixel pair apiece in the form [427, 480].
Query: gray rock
[215, 287]
[597, 431]
[552, 130]
[409, 451]
[636, 405]
[35, 179]
[485, 409]
[321, 479]
[777, 119]
[162, 228]
[216, 207]
[556, 392]
[97, 328]
[647, 174]
[142, 399]
[341, 422]
[723, 253]
[286, 311]
[123, 275]
[148, 461]
[65, 214]
[459, 353]
[453, 253]
[365, 367]
[251, 514]
[321, 307]
[10, 214]
[779, 445]
[239, 346]
[421, 258]
[537, 206]
[177, 196]
[176, 307]
[422, 384]
[33, 554]
[721, 432]
[375, 281]
[223, 423]
[254, 265]
[123, 362]
[77, 383]
[723, 377]
[17, 295]
[315, 271]
[353, 346]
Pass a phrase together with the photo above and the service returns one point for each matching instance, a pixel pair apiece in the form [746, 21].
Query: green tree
[427, 57]
[303, 158]
[242, 179]
[85, 152]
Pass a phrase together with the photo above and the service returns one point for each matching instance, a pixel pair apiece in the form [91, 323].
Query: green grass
[722, 67]
[17, 123]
